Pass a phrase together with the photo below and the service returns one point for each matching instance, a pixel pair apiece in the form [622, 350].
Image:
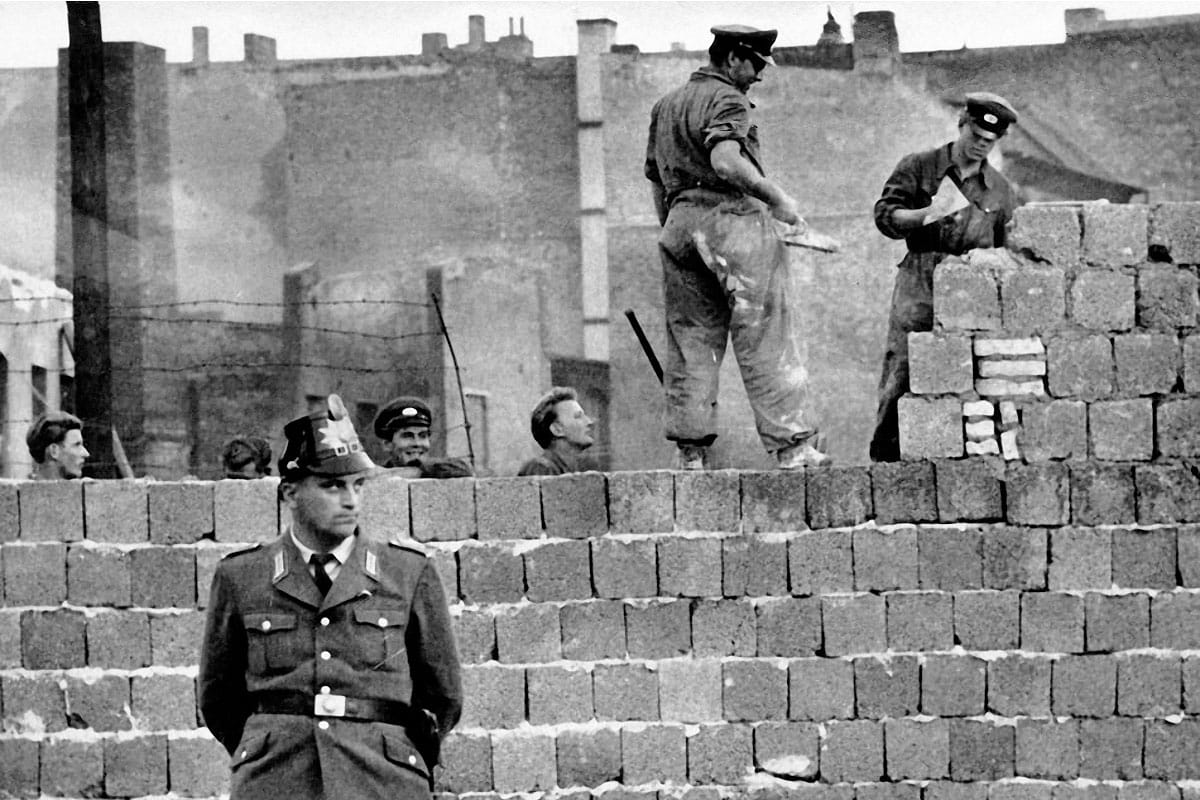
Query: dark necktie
[318, 561]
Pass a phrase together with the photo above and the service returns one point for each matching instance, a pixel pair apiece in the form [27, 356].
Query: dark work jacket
[434, 467]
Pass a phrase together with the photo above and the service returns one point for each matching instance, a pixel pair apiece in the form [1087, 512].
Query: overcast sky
[31, 31]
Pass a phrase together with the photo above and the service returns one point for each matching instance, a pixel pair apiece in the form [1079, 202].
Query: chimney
[199, 46]
[596, 35]
[476, 37]
[876, 43]
[432, 44]
[259, 49]
[1083, 20]
[510, 26]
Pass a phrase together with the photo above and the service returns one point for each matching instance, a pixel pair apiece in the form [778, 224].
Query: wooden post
[89, 233]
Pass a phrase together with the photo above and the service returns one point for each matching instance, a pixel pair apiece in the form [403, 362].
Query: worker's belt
[332, 705]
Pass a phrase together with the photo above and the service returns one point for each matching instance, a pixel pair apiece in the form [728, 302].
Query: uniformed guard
[404, 427]
[329, 668]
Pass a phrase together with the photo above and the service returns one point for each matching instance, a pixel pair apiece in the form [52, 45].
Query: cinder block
[919, 621]
[641, 502]
[1033, 298]
[1103, 300]
[466, 761]
[163, 577]
[658, 629]
[197, 765]
[593, 630]
[853, 625]
[1174, 621]
[820, 689]
[69, 767]
[940, 363]
[904, 491]
[852, 751]
[558, 571]
[1080, 558]
[508, 508]
[625, 692]
[755, 690]
[523, 761]
[839, 497]
[1116, 622]
[1144, 558]
[1191, 684]
[930, 427]
[117, 511]
[624, 567]
[917, 750]
[1175, 229]
[981, 751]
[19, 767]
[653, 754]
[180, 513]
[775, 500]
[120, 640]
[163, 702]
[493, 696]
[1147, 363]
[33, 704]
[968, 489]
[10, 511]
[1054, 430]
[559, 694]
[1187, 545]
[51, 511]
[1122, 430]
[1166, 493]
[987, 620]
[949, 790]
[949, 558]
[528, 634]
[1038, 494]
[244, 511]
[1111, 749]
[1102, 494]
[575, 506]
[53, 639]
[724, 628]
[1047, 749]
[689, 690]
[1051, 622]
[720, 754]
[1149, 684]
[384, 509]
[490, 573]
[135, 766]
[952, 685]
[885, 560]
[98, 576]
[1191, 363]
[707, 500]
[965, 298]
[35, 574]
[1172, 750]
[1115, 234]
[1179, 427]
[689, 566]
[10, 638]
[787, 750]
[1150, 790]
[1084, 686]
[1080, 367]
[1048, 233]
[1166, 297]
[475, 635]
[588, 758]
[754, 566]
[820, 562]
[101, 704]
[1019, 686]
[174, 638]
[1014, 558]
[790, 627]
[442, 509]
[888, 686]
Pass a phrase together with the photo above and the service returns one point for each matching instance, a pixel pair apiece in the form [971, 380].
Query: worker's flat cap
[757, 43]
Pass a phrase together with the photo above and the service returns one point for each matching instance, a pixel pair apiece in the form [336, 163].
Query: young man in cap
[246, 458]
[403, 425]
[563, 430]
[328, 666]
[942, 202]
[55, 441]
[703, 152]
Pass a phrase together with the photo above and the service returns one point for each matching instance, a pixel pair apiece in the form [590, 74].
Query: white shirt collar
[341, 553]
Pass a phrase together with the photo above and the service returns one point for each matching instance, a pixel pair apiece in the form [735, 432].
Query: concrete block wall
[1077, 342]
[926, 630]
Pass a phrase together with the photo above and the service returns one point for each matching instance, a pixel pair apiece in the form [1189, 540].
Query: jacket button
[324, 690]
[244, 753]
[325, 655]
[412, 759]
[323, 725]
[324, 621]
[266, 624]
[383, 622]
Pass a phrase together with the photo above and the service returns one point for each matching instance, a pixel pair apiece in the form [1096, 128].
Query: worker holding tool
[725, 258]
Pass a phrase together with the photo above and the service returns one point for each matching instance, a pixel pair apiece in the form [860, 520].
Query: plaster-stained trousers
[749, 295]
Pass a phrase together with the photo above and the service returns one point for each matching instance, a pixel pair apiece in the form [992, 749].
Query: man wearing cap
[702, 158]
[246, 458]
[328, 666]
[563, 430]
[403, 426]
[55, 441]
[942, 202]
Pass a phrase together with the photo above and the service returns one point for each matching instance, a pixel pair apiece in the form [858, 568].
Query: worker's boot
[802, 454]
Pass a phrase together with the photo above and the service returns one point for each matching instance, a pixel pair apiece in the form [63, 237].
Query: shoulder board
[408, 544]
[242, 551]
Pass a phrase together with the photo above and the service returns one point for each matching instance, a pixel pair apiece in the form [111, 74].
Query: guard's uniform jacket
[321, 697]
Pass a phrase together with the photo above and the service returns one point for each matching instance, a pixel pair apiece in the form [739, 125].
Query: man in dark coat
[328, 667]
[404, 427]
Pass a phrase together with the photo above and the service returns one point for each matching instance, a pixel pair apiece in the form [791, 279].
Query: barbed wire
[267, 327]
[235, 303]
[203, 365]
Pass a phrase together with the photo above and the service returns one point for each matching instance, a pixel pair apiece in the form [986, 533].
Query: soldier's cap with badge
[990, 112]
[323, 443]
[403, 412]
[749, 40]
